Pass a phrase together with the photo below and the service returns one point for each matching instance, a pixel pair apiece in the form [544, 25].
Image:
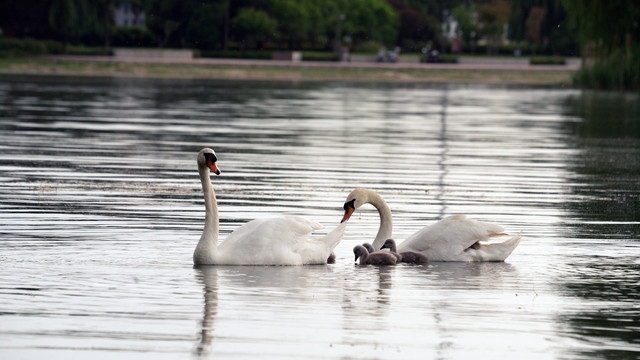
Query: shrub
[132, 36]
[442, 59]
[90, 51]
[14, 47]
[236, 54]
[447, 58]
[54, 47]
[10, 47]
[319, 56]
[619, 70]
[547, 60]
[368, 47]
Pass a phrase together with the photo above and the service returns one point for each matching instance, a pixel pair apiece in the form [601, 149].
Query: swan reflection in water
[352, 298]
[266, 286]
[366, 297]
[208, 275]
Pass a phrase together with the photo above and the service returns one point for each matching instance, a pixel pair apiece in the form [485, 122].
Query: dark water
[101, 208]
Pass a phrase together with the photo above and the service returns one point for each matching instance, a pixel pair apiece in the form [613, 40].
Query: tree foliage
[253, 26]
[74, 19]
[609, 32]
[467, 24]
[534, 23]
[608, 25]
[554, 33]
[417, 26]
[309, 24]
[492, 17]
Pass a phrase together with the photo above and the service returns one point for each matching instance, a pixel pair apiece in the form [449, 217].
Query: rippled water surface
[101, 208]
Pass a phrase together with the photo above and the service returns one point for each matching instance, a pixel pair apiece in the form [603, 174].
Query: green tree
[533, 25]
[606, 25]
[25, 18]
[168, 19]
[467, 26]
[555, 35]
[72, 19]
[294, 24]
[492, 17]
[610, 35]
[417, 26]
[370, 20]
[253, 27]
[205, 27]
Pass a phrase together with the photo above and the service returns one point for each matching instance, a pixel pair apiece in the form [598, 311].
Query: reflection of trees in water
[608, 164]
[612, 328]
[606, 193]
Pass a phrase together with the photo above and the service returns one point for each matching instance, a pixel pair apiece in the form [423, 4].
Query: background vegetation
[610, 38]
[605, 33]
[537, 26]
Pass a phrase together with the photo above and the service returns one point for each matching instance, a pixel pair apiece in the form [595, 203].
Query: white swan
[455, 238]
[274, 241]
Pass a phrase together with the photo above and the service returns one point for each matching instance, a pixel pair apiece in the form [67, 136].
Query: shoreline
[274, 70]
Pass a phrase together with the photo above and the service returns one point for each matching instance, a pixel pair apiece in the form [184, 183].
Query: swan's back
[447, 239]
[282, 240]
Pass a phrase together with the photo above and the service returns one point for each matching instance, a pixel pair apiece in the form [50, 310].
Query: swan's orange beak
[212, 165]
[348, 210]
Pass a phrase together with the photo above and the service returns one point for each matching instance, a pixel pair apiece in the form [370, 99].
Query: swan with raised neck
[361, 196]
[282, 240]
[454, 238]
[206, 250]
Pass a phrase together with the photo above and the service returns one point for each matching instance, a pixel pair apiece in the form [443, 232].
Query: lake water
[101, 208]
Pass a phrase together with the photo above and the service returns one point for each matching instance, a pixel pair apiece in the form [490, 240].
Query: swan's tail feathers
[495, 251]
[333, 238]
[319, 249]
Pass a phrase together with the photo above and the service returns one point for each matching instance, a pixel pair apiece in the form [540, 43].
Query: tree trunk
[225, 30]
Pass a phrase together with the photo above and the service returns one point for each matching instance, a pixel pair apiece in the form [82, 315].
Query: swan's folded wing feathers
[451, 235]
[268, 241]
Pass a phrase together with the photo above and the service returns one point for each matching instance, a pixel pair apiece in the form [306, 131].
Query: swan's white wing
[447, 239]
[316, 250]
[274, 241]
[493, 251]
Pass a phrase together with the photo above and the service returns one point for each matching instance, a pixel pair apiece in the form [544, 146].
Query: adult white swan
[273, 241]
[455, 238]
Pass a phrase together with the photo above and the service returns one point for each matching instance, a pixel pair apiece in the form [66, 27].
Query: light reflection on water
[101, 207]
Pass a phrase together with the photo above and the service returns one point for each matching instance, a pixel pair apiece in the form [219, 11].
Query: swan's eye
[211, 156]
[349, 204]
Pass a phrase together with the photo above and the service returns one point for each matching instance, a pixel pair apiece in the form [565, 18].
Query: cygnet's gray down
[371, 250]
[405, 256]
[375, 258]
[369, 247]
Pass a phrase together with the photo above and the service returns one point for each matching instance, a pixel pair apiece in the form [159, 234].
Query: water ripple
[101, 206]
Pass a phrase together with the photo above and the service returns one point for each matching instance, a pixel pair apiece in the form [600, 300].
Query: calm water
[101, 208]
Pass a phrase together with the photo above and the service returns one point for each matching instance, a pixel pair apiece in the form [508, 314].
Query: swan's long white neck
[386, 223]
[207, 246]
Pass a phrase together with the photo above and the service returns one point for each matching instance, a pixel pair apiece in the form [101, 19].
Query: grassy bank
[38, 66]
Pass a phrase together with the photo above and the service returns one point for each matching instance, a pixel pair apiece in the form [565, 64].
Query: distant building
[449, 27]
[128, 14]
